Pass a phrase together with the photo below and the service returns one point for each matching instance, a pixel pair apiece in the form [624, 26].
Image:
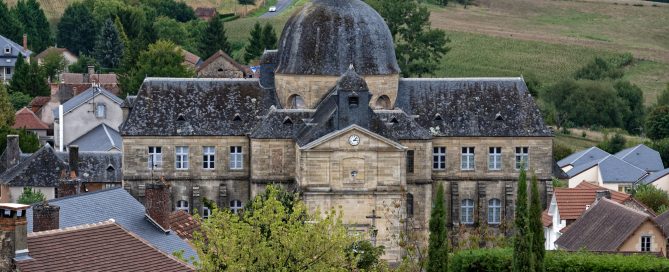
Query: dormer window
[353, 101]
[110, 168]
[499, 117]
[8, 50]
[100, 111]
[237, 117]
[287, 121]
[437, 117]
[394, 121]
[181, 118]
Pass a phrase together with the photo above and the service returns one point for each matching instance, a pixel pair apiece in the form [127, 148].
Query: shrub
[561, 151]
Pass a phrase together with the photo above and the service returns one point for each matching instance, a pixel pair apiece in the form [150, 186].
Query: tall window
[494, 211]
[235, 206]
[495, 158]
[467, 211]
[522, 157]
[206, 212]
[236, 158]
[100, 110]
[410, 157]
[155, 157]
[208, 157]
[182, 205]
[8, 70]
[467, 158]
[182, 157]
[409, 205]
[645, 243]
[439, 158]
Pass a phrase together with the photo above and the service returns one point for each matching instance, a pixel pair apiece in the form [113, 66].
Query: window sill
[468, 170]
[439, 170]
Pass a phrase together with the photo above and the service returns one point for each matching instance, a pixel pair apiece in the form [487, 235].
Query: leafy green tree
[657, 124]
[10, 27]
[19, 100]
[367, 255]
[109, 46]
[81, 65]
[31, 196]
[418, 47]
[522, 241]
[438, 244]
[76, 29]
[633, 112]
[179, 11]
[598, 69]
[31, 16]
[6, 109]
[537, 228]
[53, 64]
[663, 98]
[29, 78]
[162, 59]
[584, 103]
[662, 146]
[214, 38]
[28, 141]
[613, 145]
[653, 197]
[560, 151]
[169, 29]
[269, 237]
[255, 47]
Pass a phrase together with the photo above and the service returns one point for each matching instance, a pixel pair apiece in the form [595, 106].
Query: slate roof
[16, 49]
[197, 107]
[119, 205]
[83, 98]
[100, 138]
[221, 54]
[275, 124]
[612, 170]
[643, 157]
[583, 156]
[104, 246]
[655, 176]
[604, 227]
[472, 107]
[25, 118]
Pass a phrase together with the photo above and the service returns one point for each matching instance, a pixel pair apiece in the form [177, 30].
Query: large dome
[327, 36]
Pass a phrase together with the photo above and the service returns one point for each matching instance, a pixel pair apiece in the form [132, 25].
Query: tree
[31, 196]
[662, 146]
[663, 98]
[657, 124]
[367, 255]
[537, 228]
[109, 46]
[169, 29]
[418, 47]
[10, 27]
[613, 145]
[255, 47]
[269, 237]
[19, 100]
[584, 103]
[598, 69]
[172, 9]
[31, 16]
[6, 109]
[29, 78]
[81, 65]
[246, 2]
[269, 39]
[522, 246]
[53, 64]
[28, 141]
[438, 245]
[213, 38]
[633, 112]
[653, 197]
[560, 151]
[162, 59]
[76, 29]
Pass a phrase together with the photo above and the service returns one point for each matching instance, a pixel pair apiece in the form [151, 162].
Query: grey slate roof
[654, 176]
[119, 205]
[275, 124]
[16, 49]
[326, 36]
[583, 156]
[472, 107]
[643, 157]
[84, 97]
[197, 107]
[612, 169]
[603, 227]
[100, 138]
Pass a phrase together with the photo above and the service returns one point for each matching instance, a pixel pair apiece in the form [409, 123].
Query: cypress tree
[109, 46]
[438, 247]
[269, 37]
[255, 47]
[76, 29]
[29, 79]
[214, 38]
[35, 24]
[522, 254]
[10, 27]
[537, 228]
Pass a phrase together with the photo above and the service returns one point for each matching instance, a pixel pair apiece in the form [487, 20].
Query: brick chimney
[13, 234]
[157, 202]
[74, 160]
[45, 217]
[25, 42]
[602, 194]
[12, 152]
[70, 184]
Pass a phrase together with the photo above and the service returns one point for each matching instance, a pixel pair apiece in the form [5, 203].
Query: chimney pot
[74, 159]
[157, 202]
[13, 234]
[603, 194]
[25, 42]
[46, 217]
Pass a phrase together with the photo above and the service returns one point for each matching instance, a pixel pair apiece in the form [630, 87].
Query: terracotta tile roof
[40, 101]
[191, 58]
[27, 119]
[104, 246]
[205, 12]
[183, 224]
[221, 54]
[572, 201]
[546, 219]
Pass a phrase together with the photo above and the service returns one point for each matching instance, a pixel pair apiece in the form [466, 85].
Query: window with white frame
[206, 212]
[522, 157]
[208, 157]
[439, 158]
[236, 158]
[182, 205]
[495, 158]
[100, 110]
[181, 158]
[155, 157]
[467, 211]
[235, 206]
[467, 158]
[8, 50]
[645, 243]
[494, 211]
[8, 70]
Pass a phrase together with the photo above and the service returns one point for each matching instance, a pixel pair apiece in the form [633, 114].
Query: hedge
[558, 261]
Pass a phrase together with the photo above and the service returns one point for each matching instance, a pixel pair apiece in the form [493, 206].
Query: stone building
[331, 117]
[220, 65]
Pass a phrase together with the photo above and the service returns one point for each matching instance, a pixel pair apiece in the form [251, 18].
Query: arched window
[409, 205]
[494, 211]
[235, 206]
[296, 102]
[182, 205]
[382, 103]
[467, 211]
[206, 212]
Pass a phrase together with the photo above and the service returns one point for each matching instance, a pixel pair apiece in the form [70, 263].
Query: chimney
[54, 88]
[157, 202]
[25, 42]
[45, 217]
[13, 235]
[12, 151]
[603, 194]
[74, 160]
[91, 72]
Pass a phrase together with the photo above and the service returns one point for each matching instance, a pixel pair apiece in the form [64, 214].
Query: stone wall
[220, 68]
[272, 160]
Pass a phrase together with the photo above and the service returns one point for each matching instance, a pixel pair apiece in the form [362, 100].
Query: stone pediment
[353, 137]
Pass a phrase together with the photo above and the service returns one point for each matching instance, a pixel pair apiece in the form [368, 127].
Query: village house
[72, 84]
[191, 60]
[69, 57]
[205, 13]
[9, 54]
[220, 65]
[28, 120]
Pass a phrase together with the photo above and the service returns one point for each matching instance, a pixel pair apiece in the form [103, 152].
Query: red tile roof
[572, 201]
[546, 219]
[104, 246]
[183, 224]
[39, 101]
[190, 58]
[27, 119]
[205, 12]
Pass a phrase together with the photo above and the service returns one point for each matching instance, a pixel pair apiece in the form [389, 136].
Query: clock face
[354, 140]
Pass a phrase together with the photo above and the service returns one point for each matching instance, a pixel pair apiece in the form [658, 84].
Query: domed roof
[326, 36]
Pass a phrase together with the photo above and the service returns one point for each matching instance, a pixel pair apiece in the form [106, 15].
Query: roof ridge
[462, 79]
[84, 194]
[110, 221]
[627, 208]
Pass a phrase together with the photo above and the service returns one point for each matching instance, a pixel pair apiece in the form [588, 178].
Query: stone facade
[220, 65]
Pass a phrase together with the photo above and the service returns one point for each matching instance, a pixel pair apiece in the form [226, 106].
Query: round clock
[354, 140]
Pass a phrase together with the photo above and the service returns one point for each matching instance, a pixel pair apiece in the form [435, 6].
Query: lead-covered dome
[327, 36]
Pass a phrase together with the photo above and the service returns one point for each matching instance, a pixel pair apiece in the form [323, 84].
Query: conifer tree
[29, 79]
[438, 247]
[255, 47]
[76, 29]
[214, 38]
[31, 16]
[10, 27]
[537, 228]
[522, 252]
[269, 37]
[6, 108]
[109, 46]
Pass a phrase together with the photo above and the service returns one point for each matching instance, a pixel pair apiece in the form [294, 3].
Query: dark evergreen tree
[10, 27]
[246, 2]
[522, 240]
[35, 24]
[76, 30]
[537, 228]
[255, 47]
[214, 38]
[633, 110]
[663, 98]
[29, 79]
[172, 9]
[81, 66]
[657, 124]
[109, 46]
[438, 247]
[162, 59]
[269, 39]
